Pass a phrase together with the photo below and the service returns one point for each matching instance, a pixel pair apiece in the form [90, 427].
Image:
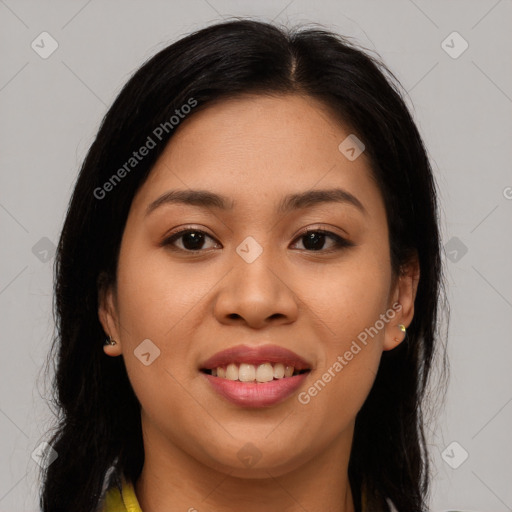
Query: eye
[192, 240]
[314, 240]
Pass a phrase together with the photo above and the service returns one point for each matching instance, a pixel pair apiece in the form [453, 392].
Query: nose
[257, 294]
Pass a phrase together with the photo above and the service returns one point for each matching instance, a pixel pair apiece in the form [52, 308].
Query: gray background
[51, 108]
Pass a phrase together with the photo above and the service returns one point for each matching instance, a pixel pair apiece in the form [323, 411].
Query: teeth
[246, 373]
[249, 373]
[232, 372]
[278, 371]
[264, 373]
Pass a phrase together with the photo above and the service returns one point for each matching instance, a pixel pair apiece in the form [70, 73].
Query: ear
[107, 313]
[402, 297]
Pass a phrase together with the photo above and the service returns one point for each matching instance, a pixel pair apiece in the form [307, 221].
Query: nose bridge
[255, 289]
[255, 265]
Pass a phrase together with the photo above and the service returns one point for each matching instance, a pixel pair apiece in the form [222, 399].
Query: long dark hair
[98, 432]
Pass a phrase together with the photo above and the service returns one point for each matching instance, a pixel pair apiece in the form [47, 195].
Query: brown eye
[315, 240]
[192, 240]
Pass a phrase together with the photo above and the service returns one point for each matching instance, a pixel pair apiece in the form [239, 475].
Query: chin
[257, 458]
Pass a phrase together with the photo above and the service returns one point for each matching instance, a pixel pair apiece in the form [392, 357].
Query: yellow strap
[130, 498]
[122, 502]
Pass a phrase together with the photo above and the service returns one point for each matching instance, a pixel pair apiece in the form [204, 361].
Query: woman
[254, 230]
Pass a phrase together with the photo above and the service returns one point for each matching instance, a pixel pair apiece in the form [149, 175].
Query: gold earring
[403, 329]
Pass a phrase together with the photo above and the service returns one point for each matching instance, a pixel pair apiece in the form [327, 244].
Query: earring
[110, 341]
[403, 329]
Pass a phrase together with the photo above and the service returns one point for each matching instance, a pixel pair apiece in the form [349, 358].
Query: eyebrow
[207, 199]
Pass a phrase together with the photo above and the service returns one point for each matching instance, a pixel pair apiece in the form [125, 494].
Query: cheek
[347, 297]
[157, 302]
[155, 295]
[347, 302]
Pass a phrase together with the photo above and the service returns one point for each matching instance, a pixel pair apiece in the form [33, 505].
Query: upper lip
[255, 355]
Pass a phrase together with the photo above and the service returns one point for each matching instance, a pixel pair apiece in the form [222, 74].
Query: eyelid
[186, 227]
[322, 229]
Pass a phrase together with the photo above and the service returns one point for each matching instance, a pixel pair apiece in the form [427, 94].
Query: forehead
[253, 148]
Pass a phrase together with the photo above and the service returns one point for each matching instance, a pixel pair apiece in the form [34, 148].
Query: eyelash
[340, 242]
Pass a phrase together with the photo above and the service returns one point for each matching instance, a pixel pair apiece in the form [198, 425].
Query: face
[303, 282]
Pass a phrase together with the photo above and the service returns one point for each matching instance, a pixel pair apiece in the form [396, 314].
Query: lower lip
[254, 394]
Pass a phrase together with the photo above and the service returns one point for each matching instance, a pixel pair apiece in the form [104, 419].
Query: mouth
[255, 364]
[255, 376]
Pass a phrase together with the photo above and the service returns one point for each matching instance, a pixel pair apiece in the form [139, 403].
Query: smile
[255, 376]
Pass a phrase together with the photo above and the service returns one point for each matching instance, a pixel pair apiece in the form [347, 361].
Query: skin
[254, 150]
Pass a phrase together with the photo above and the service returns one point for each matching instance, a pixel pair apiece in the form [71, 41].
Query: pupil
[193, 241]
[313, 240]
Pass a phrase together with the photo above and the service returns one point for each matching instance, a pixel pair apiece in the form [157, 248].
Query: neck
[172, 480]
